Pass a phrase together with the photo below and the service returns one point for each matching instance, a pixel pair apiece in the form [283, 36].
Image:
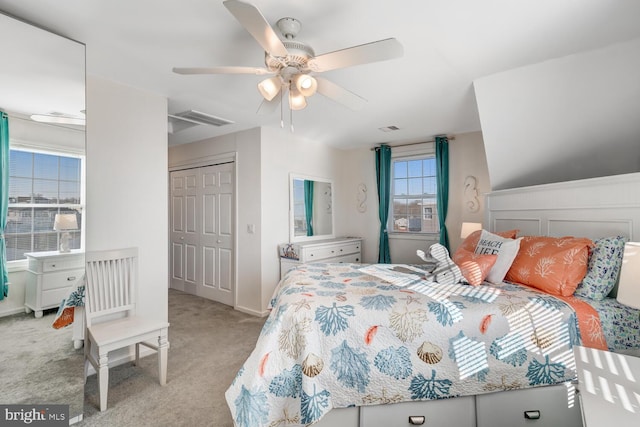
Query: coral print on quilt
[341, 335]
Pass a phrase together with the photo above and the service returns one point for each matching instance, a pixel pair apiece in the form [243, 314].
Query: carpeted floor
[38, 364]
[209, 343]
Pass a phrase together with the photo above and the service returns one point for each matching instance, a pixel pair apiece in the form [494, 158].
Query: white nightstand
[50, 276]
[609, 385]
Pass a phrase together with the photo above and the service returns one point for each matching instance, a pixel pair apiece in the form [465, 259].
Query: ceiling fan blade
[380, 50]
[222, 70]
[339, 94]
[255, 23]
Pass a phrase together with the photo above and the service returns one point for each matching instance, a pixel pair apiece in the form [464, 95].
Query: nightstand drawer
[62, 264]
[61, 279]
[53, 297]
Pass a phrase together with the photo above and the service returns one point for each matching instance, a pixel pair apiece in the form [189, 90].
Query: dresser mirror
[42, 93]
[310, 208]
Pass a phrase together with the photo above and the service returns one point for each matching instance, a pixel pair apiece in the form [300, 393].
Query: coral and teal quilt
[338, 336]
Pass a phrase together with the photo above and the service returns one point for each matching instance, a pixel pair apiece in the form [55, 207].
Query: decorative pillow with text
[505, 249]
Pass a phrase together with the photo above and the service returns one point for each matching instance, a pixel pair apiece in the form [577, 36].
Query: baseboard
[252, 311]
[12, 311]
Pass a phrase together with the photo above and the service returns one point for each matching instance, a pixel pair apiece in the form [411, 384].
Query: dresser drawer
[62, 264]
[552, 405]
[61, 279]
[316, 254]
[459, 411]
[353, 258]
[53, 297]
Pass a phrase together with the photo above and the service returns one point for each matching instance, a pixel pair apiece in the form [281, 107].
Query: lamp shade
[64, 222]
[306, 84]
[296, 100]
[270, 87]
[468, 228]
[629, 285]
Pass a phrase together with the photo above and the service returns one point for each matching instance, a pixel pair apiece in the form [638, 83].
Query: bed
[342, 336]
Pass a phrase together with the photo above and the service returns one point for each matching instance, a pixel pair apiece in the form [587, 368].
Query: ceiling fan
[292, 65]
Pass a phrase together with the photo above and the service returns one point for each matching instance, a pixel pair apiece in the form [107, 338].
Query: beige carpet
[209, 343]
[38, 364]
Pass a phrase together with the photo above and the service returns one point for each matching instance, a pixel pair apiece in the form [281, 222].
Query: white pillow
[506, 249]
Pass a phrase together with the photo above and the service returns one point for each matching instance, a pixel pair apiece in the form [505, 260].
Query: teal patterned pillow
[604, 268]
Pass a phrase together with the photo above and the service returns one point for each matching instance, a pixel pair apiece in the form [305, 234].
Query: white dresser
[341, 249]
[50, 277]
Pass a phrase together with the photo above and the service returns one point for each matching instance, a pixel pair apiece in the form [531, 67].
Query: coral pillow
[505, 249]
[553, 265]
[474, 267]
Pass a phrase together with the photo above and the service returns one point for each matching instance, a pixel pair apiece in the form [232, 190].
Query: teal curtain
[442, 170]
[4, 201]
[383, 177]
[308, 205]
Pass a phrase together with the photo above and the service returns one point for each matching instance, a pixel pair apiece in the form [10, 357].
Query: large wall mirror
[42, 95]
[310, 208]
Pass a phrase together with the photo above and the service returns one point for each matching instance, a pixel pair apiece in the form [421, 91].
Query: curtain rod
[449, 138]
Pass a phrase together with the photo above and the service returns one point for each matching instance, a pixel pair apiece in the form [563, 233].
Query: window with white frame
[414, 195]
[41, 185]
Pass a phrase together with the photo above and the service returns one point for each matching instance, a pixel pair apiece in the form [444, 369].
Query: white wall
[284, 153]
[127, 182]
[466, 157]
[569, 118]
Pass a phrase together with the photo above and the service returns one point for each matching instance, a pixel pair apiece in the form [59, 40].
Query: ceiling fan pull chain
[291, 118]
[281, 112]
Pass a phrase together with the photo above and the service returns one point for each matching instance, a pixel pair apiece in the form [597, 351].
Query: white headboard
[595, 207]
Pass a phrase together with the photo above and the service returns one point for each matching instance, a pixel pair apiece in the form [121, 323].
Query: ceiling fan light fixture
[306, 84]
[58, 118]
[270, 87]
[297, 101]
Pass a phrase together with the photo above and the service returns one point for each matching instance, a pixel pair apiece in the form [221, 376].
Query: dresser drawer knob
[532, 415]
[71, 278]
[416, 420]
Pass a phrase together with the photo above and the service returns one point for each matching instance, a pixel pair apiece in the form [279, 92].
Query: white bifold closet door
[202, 226]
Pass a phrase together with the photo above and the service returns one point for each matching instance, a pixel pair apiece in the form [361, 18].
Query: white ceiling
[447, 44]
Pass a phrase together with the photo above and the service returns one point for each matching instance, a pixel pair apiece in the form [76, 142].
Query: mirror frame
[292, 232]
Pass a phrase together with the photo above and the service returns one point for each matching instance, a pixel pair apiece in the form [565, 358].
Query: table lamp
[629, 284]
[468, 228]
[64, 223]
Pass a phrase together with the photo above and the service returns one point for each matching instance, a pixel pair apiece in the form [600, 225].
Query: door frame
[212, 160]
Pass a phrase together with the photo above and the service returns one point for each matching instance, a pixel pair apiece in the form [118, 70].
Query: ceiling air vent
[389, 128]
[190, 118]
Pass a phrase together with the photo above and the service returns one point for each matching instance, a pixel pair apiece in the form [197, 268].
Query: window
[413, 195]
[41, 185]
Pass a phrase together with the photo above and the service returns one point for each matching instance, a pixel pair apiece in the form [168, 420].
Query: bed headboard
[594, 207]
